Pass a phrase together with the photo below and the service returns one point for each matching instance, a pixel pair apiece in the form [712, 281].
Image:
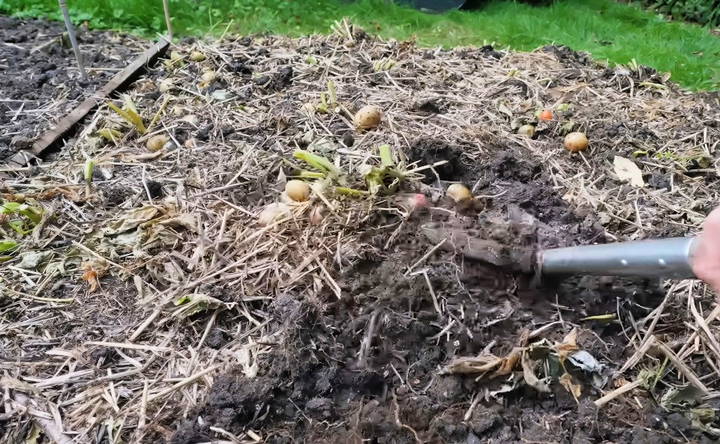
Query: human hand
[706, 258]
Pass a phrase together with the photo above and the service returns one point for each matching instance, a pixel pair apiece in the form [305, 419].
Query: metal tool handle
[651, 258]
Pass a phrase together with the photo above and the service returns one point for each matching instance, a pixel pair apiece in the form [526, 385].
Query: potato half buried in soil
[368, 117]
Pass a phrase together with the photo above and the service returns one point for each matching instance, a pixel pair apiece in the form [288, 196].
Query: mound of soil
[41, 80]
[366, 367]
[151, 305]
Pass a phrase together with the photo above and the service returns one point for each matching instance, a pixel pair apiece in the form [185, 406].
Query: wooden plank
[121, 80]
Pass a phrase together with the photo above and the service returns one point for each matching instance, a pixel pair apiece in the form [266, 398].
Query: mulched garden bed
[147, 303]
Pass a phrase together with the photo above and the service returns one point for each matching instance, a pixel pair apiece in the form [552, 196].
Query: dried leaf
[191, 304]
[533, 381]
[131, 219]
[92, 272]
[628, 171]
[68, 193]
[586, 362]
[567, 381]
[474, 365]
[31, 259]
[33, 434]
[16, 384]
[185, 220]
[504, 109]
[509, 362]
[567, 346]
[681, 397]
[484, 363]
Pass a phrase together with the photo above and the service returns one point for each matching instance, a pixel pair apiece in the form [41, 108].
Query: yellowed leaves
[130, 113]
[566, 380]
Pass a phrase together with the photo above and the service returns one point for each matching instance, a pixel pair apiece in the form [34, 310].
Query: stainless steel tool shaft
[670, 258]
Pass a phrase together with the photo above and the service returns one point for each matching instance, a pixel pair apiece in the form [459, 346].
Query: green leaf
[109, 134]
[182, 300]
[7, 245]
[130, 114]
[32, 213]
[19, 227]
[351, 192]
[318, 162]
[10, 208]
[386, 157]
[88, 170]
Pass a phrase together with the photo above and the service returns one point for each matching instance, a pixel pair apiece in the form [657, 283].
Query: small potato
[458, 192]
[527, 131]
[576, 141]
[368, 117]
[208, 76]
[157, 142]
[297, 190]
[197, 56]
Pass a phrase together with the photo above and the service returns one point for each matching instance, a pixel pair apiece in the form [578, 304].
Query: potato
[297, 190]
[576, 141]
[458, 192]
[368, 117]
[157, 142]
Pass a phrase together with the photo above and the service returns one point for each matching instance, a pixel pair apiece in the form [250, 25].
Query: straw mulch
[139, 290]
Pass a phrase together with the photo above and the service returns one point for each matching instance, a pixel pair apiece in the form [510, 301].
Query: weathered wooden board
[121, 79]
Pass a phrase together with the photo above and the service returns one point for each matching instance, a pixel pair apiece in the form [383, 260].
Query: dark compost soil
[317, 388]
[40, 81]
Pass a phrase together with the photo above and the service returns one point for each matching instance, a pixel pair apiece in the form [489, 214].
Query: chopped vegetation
[199, 292]
[612, 31]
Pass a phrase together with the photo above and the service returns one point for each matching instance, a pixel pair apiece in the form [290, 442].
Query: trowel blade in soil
[473, 246]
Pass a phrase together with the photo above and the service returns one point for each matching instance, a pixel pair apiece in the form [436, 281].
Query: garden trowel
[669, 257]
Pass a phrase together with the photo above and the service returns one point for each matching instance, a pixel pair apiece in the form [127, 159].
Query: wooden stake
[168, 23]
[73, 40]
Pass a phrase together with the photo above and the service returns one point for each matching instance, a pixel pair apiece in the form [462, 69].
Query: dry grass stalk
[230, 153]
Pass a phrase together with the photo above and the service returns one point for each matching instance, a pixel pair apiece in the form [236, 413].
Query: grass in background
[609, 30]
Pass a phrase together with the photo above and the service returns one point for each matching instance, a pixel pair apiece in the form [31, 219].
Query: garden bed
[148, 304]
[41, 81]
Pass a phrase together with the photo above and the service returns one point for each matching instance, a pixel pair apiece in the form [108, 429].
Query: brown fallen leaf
[528, 366]
[567, 346]
[484, 364]
[575, 389]
[92, 272]
[472, 365]
[509, 362]
[68, 193]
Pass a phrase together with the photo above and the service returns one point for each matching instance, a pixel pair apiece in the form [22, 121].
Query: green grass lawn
[610, 31]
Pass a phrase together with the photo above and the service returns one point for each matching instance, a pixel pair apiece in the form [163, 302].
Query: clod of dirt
[155, 189]
[428, 106]
[430, 151]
